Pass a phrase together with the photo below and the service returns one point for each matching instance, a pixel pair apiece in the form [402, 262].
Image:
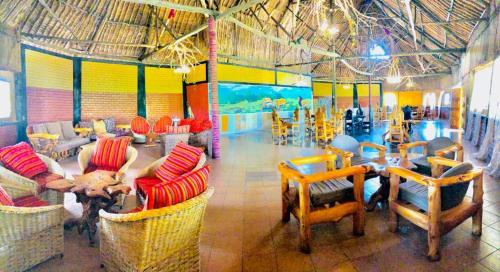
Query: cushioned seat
[330, 191]
[143, 184]
[423, 166]
[44, 178]
[416, 193]
[30, 201]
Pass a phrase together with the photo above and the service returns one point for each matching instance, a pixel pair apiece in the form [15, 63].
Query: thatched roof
[131, 31]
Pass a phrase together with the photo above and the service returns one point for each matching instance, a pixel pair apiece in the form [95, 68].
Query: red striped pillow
[21, 159]
[181, 189]
[181, 160]
[177, 130]
[110, 153]
[5, 199]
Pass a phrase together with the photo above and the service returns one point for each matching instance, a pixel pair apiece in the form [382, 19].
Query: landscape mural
[247, 98]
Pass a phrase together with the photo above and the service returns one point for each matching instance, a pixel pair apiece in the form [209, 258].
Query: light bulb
[394, 79]
[323, 26]
[183, 69]
[345, 86]
[333, 30]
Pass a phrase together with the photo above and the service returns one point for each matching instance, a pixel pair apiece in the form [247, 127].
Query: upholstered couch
[111, 130]
[57, 140]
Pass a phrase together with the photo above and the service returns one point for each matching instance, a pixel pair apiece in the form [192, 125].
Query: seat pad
[142, 185]
[30, 201]
[330, 191]
[92, 168]
[44, 178]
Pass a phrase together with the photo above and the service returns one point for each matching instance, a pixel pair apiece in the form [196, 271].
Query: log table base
[95, 191]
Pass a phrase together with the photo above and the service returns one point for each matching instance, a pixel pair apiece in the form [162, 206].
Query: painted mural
[246, 98]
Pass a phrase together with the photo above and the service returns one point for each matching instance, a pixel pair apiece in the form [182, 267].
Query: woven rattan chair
[13, 179]
[29, 236]
[166, 239]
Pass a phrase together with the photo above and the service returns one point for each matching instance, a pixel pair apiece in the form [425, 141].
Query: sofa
[110, 126]
[57, 140]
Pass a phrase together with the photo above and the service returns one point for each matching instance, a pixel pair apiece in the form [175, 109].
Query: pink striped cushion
[5, 199]
[30, 201]
[21, 159]
[179, 190]
[181, 160]
[110, 153]
[177, 130]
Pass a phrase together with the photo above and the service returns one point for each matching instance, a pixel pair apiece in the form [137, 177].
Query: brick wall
[109, 90]
[49, 87]
[163, 93]
[158, 105]
[8, 135]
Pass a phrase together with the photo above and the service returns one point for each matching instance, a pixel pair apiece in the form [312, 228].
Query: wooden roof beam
[175, 6]
[53, 14]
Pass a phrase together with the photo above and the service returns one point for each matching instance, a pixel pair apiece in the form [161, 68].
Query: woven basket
[165, 239]
[168, 141]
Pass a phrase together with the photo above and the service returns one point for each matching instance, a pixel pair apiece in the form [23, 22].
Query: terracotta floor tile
[492, 261]
[294, 260]
[260, 262]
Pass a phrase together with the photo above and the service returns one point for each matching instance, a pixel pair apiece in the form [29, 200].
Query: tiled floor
[243, 229]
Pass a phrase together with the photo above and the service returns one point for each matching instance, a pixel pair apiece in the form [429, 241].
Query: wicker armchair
[29, 236]
[165, 239]
[12, 179]
[86, 154]
[149, 171]
[436, 204]
[322, 197]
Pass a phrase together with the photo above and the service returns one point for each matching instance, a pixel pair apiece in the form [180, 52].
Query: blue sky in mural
[247, 98]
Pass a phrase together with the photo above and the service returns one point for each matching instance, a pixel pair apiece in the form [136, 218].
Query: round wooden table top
[95, 184]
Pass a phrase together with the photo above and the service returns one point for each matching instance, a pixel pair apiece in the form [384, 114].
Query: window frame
[12, 117]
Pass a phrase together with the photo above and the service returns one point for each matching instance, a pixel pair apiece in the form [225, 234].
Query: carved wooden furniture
[279, 129]
[29, 235]
[323, 128]
[321, 197]
[166, 239]
[396, 132]
[12, 179]
[96, 190]
[337, 123]
[350, 152]
[436, 204]
[440, 146]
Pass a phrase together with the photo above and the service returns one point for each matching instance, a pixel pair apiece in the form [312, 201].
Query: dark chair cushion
[345, 143]
[330, 191]
[451, 195]
[423, 166]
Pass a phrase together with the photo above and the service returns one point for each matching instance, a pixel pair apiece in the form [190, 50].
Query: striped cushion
[110, 153]
[177, 130]
[5, 199]
[30, 201]
[181, 160]
[139, 125]
[161, 125]
[21, 159]
[181, 189]
[44, 178]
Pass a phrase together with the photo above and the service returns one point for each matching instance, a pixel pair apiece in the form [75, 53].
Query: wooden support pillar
[212, 70]
[77, 90]
[355, 102]
[370, 101]
[21, 100]
[141, 91]
[334, 83]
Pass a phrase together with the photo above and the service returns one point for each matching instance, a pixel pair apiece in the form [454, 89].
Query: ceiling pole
[212, 77]
[53, 14]
[175, 6]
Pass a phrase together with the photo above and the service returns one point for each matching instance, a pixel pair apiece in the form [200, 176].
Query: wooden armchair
[279, 129]
[323, 128]
[440, 146]
[321, 197]
[436, 204]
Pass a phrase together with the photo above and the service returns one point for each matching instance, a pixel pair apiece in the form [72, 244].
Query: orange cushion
[181, 189]
[181, 160]
[44, 178]
[139, 125]
[21, 159]
[160, 125]
[30, 201]
[5, 199]
[110, 153]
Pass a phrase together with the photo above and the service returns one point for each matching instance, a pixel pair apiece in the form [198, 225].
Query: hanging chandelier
[394, 75]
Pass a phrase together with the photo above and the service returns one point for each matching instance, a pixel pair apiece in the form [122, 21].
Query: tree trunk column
[212, 70]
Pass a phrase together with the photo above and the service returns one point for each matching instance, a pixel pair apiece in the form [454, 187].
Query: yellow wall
[107, 77]
[364, 91]
[403, 98]
[322, 89]
[234, 73]
[198, 73]
[340, 91]
[284, 78]
[47, 71]
[163, 80]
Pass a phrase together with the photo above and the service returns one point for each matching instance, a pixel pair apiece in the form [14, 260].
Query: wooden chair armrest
[460, 178]
[344, 155]
[381, 149]
[288, 172]
[442, 161]
[343, 172]
[404, 148]
[452, 148]
[408, 174]
[314, 159]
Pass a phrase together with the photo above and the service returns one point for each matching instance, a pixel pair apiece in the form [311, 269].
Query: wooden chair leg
[433, 242]
[305, 237]
[358, 218]
[434, 233]
[305, 227]
[393, 196]
[285, 209]
[477, 222]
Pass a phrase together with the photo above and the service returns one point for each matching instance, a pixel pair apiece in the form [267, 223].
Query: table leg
[382, 194]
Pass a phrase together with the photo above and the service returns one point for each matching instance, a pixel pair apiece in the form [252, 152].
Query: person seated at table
[407, 117]
[359, 111]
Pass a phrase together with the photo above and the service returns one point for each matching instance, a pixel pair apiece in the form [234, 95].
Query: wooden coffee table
[96, 190]
[379, 166]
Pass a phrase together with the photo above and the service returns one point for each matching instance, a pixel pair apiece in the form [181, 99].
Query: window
[5, 100]
[430, 100]
[378, 52]
[481, 89]
[494, 111]
[446, 100]
[390, 100]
